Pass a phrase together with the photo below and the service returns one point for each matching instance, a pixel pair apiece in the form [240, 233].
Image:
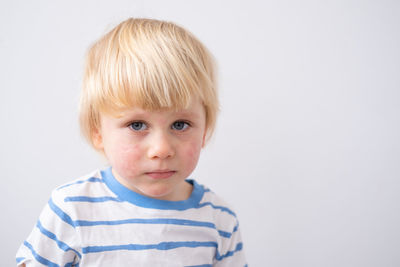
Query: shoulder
[70, 196]
[82, 183]
[221, 206]
[220, 210]
[86, 185]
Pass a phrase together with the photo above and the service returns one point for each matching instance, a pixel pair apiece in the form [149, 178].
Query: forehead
[195, 110]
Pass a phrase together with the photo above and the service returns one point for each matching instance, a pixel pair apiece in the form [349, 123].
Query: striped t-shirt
[96, 221]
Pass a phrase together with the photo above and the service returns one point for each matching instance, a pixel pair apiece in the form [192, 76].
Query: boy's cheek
[132, 150]
[192, 152]
[125, 156]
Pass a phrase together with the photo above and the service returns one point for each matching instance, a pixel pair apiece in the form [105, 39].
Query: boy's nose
[160, 146]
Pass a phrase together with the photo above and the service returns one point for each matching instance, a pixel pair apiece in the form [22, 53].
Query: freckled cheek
[191, 154]
[126, 158]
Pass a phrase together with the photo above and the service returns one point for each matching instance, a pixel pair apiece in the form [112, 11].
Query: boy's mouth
[162, 174]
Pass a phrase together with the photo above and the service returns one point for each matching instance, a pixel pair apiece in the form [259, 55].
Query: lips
[161, 174]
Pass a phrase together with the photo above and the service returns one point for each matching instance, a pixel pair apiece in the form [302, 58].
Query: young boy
[149, 104]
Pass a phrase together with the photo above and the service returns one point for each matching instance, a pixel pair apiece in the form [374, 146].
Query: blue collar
[137, 199]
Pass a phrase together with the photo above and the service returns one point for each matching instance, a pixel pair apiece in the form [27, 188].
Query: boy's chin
[168, 192]
[160, 194]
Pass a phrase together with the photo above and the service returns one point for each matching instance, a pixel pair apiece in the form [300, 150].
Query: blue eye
[180, 125]
[138, 126]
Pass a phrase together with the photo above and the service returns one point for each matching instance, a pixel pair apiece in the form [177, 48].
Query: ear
[97, 140]
[203, 144]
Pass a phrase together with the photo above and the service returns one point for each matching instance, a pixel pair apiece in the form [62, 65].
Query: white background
[307, 148]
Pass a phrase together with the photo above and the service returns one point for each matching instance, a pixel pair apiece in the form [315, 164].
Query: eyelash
[137, 130]
[185, 126]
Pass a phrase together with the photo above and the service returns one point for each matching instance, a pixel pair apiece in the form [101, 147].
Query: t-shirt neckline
[137, 199]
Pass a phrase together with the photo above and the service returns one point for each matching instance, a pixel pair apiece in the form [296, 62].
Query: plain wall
[307, 148]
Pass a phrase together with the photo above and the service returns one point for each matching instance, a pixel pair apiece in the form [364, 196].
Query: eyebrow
[187, 114]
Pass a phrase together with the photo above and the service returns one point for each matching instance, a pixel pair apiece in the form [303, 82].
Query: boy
[149, 104]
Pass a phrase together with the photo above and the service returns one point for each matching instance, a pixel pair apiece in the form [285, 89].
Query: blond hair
[149, 64]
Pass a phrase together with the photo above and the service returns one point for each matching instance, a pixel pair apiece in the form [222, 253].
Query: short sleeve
[232, 252]
[53, 240]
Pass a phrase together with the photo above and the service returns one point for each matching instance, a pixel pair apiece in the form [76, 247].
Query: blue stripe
[60, 244]
[82, 223]
[236, 228]
[91, 199]
[71, 264]
[19, 259]
[146, 221]
[202, 265]
[65, 217]
[40, 258]
[239, 247]
[160, 246]
[107, 198]
[225, 209]
[224, 234]
[91, 180]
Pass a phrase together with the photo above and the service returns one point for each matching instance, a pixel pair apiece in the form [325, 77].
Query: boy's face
[153, 152]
